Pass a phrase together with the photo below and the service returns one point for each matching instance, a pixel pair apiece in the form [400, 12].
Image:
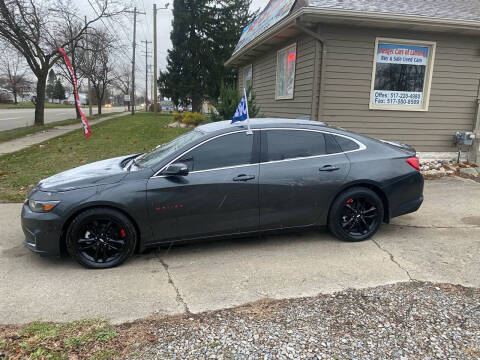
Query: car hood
[98, 173]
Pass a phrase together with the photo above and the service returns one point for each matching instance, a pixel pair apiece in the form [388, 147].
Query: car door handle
[244, 177]
[329, 168]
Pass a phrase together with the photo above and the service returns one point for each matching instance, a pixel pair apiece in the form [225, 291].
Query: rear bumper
[408, 207]
[405, 195]
[42, 232]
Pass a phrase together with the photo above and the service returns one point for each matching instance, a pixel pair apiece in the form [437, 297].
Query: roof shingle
[440, 9]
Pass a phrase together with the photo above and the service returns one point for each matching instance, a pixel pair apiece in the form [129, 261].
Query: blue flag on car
[242, 112]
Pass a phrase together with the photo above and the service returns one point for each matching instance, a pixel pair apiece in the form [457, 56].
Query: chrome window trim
[360, 144]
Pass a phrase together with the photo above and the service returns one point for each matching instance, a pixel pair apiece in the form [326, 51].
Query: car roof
[256, 123]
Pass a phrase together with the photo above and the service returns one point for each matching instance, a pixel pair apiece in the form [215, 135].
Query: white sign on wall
[400, 74]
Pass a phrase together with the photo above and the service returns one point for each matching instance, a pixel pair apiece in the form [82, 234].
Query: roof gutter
[451, 24]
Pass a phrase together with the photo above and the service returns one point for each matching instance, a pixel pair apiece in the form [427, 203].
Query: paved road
[15, 118]
[439, 243]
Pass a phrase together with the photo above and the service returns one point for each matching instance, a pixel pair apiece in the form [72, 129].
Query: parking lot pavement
[438, 243]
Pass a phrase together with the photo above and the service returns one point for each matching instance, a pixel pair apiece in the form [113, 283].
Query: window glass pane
[332, 145]
[286, 72]
[290, 73]
[247, 76]
[163, 151]
[228, 150]
[346, 144]
[289, 144]
[400, 74]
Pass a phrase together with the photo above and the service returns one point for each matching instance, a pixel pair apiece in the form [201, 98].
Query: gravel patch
[413, 320]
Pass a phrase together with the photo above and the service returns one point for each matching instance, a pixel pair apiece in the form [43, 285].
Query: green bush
[193, 118]
[178, 117]
[228, 103]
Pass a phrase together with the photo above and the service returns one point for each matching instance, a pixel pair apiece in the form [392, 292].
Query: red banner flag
[86, 128]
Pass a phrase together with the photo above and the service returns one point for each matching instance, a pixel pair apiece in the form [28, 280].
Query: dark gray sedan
[217, 180]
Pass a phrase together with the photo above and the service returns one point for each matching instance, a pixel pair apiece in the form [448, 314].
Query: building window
[402, 74]
[286, 59]
[247, 76]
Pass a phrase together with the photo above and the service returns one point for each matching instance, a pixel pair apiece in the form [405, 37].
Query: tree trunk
[76, 105]
[15, 97]
[196, 103]
[40, 102]
[99, 105]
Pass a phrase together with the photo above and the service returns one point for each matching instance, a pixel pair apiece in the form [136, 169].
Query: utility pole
[132, 96]
[90, 110]
[155, 86]
[146, 71]
[155, 95]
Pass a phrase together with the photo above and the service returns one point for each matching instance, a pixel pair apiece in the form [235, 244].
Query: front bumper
[42, 231]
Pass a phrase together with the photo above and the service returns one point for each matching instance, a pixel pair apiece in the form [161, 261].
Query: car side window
[224, 151]
[346, 144]
[290, 144]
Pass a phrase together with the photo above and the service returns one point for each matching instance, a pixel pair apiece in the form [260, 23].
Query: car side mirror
[178, 169]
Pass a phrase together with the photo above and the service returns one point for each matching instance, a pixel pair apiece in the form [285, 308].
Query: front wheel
[101, 238]
[356, 214]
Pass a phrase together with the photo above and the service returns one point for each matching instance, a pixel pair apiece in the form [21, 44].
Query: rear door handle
[329, 168]
[244, 177]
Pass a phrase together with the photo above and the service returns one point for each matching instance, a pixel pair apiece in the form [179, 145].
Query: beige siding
[454, 88]
[264, 81]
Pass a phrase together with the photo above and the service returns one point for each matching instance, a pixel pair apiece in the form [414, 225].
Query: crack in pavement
[393, 260]
[179, 297]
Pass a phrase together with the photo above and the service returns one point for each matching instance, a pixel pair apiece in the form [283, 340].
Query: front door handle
[329, 168]
[243, 177]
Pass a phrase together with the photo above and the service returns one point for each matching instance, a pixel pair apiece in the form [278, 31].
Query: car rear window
[291, 144]
[346, 144]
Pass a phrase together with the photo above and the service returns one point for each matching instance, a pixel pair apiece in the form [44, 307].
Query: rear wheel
[101, 238]
[356, 214]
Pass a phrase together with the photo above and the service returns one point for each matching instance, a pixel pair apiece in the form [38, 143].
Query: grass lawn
[7, 135]
[125, 135]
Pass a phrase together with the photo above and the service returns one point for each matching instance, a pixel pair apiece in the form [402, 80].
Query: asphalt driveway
[439, 243]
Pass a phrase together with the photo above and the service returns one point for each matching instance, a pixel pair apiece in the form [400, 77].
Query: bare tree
[98, 66]
[123, 80]
[76, 46]
[35, 29]
[13, 70]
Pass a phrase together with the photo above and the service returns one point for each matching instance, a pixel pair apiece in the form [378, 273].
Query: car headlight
[42, 206]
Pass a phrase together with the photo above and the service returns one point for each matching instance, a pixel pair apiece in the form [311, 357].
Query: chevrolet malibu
[220, 180]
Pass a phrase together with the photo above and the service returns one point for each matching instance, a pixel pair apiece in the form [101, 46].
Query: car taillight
[414, 162]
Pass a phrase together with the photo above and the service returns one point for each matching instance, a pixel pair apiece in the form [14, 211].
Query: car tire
[356, 214]
[101, 238]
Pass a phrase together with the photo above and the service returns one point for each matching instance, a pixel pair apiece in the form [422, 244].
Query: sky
[124, 29]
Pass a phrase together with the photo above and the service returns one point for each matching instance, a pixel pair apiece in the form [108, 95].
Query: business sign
[126, 97]
[272, 14]
[400, 74]
[402, 54]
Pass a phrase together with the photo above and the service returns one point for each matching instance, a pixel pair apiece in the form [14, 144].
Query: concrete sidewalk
[37, 138]
[439, 243]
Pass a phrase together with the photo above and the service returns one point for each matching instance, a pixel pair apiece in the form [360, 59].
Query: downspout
[317, 110]
[475, 150]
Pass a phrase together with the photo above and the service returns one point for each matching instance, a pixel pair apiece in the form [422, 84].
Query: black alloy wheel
[101, 238]
[356, 214]
[359, 216]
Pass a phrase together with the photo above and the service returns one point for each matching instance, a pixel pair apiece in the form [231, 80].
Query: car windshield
[162, 151]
